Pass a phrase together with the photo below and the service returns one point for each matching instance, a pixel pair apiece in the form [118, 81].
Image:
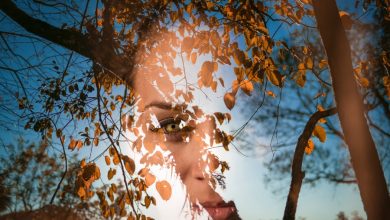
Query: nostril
[200, 178]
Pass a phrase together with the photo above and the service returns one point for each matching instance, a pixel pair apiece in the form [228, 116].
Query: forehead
[153, 76]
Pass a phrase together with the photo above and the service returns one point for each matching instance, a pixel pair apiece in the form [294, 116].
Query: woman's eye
[171, 127]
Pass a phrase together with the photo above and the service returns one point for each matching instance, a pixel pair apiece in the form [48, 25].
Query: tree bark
[297, 174]
[349, 103]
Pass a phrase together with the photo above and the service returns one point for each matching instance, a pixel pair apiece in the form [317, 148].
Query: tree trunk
[364, 157]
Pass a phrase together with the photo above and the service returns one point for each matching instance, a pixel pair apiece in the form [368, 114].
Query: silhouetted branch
[297, 174]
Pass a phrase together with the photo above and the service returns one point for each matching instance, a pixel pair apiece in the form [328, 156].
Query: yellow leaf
[320, 133]
[309, 147]
[164, 189]
[107, 159]
[229, 100]
[246, 86]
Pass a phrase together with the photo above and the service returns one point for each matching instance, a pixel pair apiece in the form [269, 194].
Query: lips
[220, 211]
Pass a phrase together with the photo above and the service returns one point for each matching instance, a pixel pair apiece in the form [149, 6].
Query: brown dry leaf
[310, 147]
[320, 133]
[246, 86]
[164, 189]
[229, 100]
[220, 117]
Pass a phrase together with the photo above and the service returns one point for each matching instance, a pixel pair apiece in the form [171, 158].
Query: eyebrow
[158, 104]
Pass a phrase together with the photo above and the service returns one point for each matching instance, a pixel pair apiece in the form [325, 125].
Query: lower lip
[219, 213]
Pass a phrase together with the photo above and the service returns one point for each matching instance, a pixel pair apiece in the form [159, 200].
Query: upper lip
[218, 204]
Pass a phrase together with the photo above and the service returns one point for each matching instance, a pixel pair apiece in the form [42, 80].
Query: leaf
[275, 77]
[270, 93]
[193, 58]
[107, 159]
[309, 63]
[111, 173]
[129, 164]
[72, 144]
[235, 86]
[300, 78]
[239, 57]
[91, 172]
[187, 44]
[81, 192]
[164, 189]
[364, 82]
[323, 64]
[309, 147]
[246, 86]
[229, 100]
[319, 132]
[149, 179]
[220, 117]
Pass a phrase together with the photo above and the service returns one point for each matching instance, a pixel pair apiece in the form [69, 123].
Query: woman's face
[185, 132]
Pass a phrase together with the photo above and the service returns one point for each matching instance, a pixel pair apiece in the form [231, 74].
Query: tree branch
[297, 174]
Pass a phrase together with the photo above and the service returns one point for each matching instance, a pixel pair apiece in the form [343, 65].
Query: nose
[197, 172]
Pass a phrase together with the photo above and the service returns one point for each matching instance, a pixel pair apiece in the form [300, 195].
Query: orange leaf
[107, 159]
[229, 100]
[247, 87]
[270, 93]
[149, 179]
[310, 147]
[111, 173]
[129, 164]
[320, 133]
[164, 189]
